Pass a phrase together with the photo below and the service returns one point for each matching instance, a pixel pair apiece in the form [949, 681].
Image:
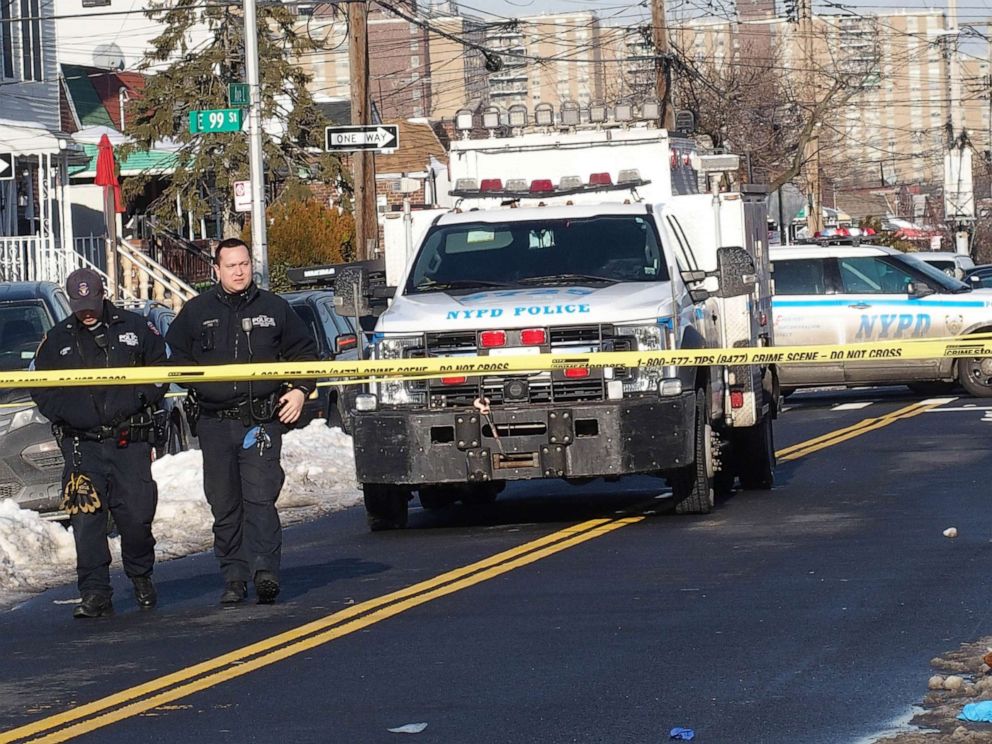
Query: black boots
[144, 592]
[234, 592]
[266, 587]
[94, 605]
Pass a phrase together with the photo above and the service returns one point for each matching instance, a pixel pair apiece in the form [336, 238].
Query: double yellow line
[184, 682]
[180, 684]
[856, 430]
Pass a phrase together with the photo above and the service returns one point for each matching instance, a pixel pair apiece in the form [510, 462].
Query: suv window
[22, 327]
[799, 277]
[307, 316]
[872, 275]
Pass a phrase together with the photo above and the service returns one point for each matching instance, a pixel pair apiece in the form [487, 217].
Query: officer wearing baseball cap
[106, 434]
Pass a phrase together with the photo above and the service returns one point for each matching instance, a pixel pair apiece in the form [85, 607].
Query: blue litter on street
[977, 712]
[682, 734]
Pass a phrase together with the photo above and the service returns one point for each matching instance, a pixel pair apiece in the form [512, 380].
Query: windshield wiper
[430, 285]
[553, 278]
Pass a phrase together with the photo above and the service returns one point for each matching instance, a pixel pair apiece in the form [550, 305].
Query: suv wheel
[975, 376]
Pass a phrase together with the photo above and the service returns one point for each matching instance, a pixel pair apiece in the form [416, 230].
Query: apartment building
[399, 59]
[547, 59]
[457, 70]
[893, 128]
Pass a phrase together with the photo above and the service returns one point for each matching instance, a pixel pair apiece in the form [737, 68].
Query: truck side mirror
[735, 267]
[350, 287]
[918, 289]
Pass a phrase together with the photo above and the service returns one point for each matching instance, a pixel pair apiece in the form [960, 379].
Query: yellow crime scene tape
[363, 371]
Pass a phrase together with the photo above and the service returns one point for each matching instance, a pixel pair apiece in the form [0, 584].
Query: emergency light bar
[518, 188]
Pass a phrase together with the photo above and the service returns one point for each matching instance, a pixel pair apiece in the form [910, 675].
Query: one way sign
[374, 137]
[6, 166]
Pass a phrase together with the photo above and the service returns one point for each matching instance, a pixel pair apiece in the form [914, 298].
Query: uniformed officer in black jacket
[106, 434]
[241, 424]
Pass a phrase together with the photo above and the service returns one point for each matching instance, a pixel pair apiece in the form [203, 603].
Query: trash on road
[951, 532]
[977, 711]
[410, 728]
[682, 734]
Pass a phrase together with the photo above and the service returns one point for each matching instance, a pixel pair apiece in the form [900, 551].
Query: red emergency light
[491, 184]
[533, 336]
[576, 373]
[453, 380]
[491, 339]
[541, 186]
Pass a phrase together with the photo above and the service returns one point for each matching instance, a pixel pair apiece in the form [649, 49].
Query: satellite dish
[108, 57]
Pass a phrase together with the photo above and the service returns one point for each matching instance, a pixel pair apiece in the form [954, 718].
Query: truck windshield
[591, 250]
[22, 327]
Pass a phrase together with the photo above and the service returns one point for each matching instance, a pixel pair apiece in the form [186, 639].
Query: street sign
[6, 166]
[238, 95]
[215, 120]
[242, 196]
[372, 137]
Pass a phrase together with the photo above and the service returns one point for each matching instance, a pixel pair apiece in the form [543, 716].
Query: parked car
[179, 438]
[980, 276]
[336, 339]
[952, 264]
[30, 460]
[841, 294]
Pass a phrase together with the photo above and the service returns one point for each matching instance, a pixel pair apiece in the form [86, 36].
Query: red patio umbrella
[106, 176]
[106, 171]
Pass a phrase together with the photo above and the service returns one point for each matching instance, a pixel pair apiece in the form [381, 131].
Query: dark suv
[336, 339]
[30, 460]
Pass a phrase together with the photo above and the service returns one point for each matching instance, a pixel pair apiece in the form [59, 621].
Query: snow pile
[320, 478]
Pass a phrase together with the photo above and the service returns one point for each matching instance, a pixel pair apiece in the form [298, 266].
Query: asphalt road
[561, 614]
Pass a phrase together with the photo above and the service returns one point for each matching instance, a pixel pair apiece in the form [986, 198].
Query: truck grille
[545, 387]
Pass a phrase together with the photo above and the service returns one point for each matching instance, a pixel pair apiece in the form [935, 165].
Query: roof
[526, 214]
[95, 93]
[780, 252]
[418, 143]
[865, 203]
[138, 162]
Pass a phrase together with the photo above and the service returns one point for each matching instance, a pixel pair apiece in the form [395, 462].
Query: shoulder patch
[153, 329]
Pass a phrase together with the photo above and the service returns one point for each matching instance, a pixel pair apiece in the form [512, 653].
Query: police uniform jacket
[210, 329]
[124, 340]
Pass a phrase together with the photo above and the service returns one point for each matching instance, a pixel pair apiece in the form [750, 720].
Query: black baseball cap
[85, 289]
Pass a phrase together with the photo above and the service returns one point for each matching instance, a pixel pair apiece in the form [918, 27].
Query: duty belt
[249, 411]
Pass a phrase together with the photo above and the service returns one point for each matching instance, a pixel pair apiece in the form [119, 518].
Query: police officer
[240, 425]
[106, 435]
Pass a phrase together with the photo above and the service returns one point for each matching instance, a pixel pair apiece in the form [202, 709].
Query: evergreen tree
[188, 78]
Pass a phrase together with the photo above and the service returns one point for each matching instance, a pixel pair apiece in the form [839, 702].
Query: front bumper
[414, 447]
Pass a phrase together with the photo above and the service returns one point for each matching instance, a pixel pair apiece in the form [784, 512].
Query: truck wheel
[385, 506]
[692, 485]
[756, 462]
[975, 376]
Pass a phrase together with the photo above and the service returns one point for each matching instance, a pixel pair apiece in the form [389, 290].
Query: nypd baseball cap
[85, 290]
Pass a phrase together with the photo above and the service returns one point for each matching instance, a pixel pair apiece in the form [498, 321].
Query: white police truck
[570, 243]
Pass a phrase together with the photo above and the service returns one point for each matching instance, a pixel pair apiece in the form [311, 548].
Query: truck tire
[756, 456]
[692, 485]
[386, 506]
[975, 376]
[479, 494]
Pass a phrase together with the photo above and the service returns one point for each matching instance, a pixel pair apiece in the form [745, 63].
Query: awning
[20, 138]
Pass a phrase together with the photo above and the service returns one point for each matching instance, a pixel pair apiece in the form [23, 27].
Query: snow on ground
[320, 478]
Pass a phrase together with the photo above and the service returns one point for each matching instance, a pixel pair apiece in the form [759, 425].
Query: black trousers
[123, 480]
[242, 486]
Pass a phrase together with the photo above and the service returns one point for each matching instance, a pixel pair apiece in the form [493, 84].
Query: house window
[6, 41]
[31, 40]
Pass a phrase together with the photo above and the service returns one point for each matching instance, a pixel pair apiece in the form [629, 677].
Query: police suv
[548, 262]
[845, 293]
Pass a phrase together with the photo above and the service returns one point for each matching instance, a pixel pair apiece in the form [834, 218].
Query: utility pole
[814, 201]
[366, 221]
[662, 63]
[259, 242]
[960, 207]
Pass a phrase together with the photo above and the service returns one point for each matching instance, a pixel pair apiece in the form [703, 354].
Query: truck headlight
[396, 392]
[25, 417]
[654, 337]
